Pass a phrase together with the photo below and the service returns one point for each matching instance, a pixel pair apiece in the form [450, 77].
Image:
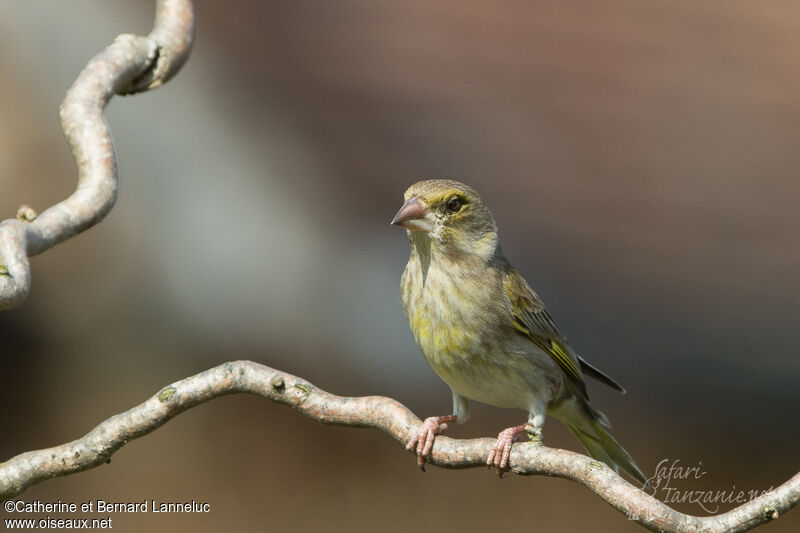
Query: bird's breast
[459, 321]
[453, 315]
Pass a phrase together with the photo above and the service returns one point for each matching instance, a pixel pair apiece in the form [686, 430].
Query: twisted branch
[386, 414]
[130, 64]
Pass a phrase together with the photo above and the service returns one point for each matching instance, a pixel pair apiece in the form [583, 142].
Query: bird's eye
[455, 204]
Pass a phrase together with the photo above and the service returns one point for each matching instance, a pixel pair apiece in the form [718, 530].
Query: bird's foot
[501, 452]
[422, 442]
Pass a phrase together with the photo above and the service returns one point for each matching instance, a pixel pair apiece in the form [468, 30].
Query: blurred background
[640, 159]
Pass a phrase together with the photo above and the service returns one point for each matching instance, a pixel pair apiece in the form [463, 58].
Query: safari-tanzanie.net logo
[661, 486]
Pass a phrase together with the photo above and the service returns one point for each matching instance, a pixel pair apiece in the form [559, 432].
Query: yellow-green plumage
[481, 327]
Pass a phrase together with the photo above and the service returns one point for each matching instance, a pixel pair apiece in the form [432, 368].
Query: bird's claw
[422, 442]
[501, 451]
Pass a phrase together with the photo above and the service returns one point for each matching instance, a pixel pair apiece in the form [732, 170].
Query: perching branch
[130, 64]
[97, 446]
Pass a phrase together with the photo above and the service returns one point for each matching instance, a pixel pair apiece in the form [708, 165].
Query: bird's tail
[589, 425]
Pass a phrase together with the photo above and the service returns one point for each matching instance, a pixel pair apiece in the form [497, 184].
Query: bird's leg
[501, 452]
[423, 441]
[433, 425]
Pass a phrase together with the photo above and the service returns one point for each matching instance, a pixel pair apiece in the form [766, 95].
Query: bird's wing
[599, 375]
[530, 318]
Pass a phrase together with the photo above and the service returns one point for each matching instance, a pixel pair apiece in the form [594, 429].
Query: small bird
[486, 333]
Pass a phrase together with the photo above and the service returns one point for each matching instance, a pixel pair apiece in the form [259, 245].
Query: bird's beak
[414, 215]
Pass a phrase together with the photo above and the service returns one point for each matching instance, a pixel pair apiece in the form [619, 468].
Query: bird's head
[451, 214]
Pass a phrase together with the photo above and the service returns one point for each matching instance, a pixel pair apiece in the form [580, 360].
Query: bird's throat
[421, 247]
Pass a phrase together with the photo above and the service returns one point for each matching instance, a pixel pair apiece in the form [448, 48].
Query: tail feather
[601, 445]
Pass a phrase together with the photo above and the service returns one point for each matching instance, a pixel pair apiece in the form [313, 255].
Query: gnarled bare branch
[386, 414]
[130, 64]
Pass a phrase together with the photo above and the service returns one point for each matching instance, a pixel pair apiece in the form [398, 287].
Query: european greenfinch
[486, 333]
